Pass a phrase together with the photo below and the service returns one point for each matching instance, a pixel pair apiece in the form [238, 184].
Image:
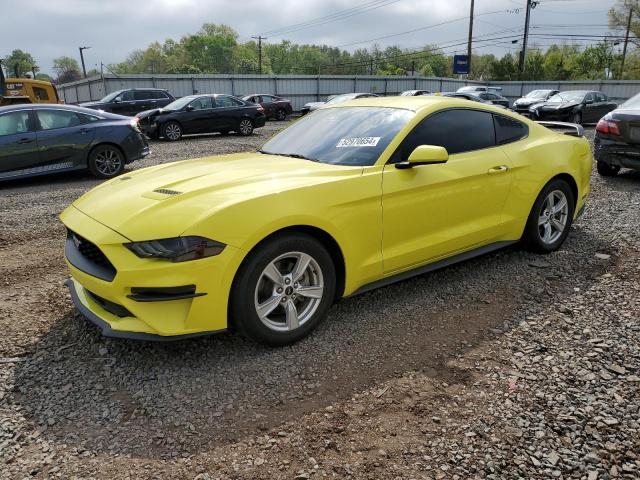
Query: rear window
[509, 130]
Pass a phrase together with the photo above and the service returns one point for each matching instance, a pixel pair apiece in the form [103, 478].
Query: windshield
[537, 94]
[341, 136]
[633, 102]
[111, 96]
[567, 97]
[341, 98]
[180, 103]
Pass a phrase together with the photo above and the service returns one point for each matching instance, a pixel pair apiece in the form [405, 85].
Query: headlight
[179, 249]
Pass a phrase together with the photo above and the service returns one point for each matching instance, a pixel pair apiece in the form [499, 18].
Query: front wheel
[550, 219]
[281, 114]
[172, 131]
[283, 290]
[577, 118]
[245, 127]
[106, 161]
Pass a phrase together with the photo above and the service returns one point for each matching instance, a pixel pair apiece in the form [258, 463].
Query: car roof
[57, 106]
[416, 103]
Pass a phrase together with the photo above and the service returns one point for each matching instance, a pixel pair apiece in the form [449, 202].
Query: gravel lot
[508, 366]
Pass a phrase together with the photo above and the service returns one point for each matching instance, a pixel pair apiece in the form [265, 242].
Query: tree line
[216, 49]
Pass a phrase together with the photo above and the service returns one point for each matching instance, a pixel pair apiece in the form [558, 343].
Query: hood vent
[166, 191]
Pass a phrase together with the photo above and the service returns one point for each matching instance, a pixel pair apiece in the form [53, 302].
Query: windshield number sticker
[358, 142]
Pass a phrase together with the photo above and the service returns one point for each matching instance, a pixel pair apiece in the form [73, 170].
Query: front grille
[87, 257]
[111, 307]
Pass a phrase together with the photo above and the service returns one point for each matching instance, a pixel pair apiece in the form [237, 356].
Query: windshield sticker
[358, 142]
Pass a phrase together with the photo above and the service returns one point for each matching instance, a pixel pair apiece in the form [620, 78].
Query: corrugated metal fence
[310, 88]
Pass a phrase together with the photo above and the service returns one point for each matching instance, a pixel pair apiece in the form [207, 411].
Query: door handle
[24, 140]
[498, 169]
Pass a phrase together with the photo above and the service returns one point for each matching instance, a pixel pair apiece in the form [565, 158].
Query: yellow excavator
[26, 90]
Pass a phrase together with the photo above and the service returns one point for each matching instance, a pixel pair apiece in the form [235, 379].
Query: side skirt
[461, 257]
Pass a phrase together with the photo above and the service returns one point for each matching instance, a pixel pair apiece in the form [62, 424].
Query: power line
[340, 15]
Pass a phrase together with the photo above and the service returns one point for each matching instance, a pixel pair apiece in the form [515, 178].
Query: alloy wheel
[108, 162]
[289, 291]
[246, 127]
[281, 115]
[553, 217]
[172, 131]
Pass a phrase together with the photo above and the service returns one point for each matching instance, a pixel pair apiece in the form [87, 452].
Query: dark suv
[132, 101]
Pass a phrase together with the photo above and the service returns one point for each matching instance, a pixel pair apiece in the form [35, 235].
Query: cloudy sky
[113, 28]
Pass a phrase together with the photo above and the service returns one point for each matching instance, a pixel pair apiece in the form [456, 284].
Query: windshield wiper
[292, 155]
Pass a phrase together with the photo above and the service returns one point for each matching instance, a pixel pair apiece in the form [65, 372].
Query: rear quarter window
[509, 130]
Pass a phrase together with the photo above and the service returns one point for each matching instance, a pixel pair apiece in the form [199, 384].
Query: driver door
[433, 211]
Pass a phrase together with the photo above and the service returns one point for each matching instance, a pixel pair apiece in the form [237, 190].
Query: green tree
[66, 69]
[505, 69]
[19, 62]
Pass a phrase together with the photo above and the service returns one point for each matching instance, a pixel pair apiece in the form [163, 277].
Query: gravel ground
[508, 366]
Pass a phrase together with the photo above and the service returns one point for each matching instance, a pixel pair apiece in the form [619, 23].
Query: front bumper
[557, 115]
[114, 304]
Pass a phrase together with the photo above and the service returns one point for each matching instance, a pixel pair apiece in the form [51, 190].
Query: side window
[158, 95]
[225, 101]
[14, 123]
[40, 93]
[267, 98]
[601, 97]
[456, 130]
[256, 99]
[51, 119]
[88, 118]
[143, 95]
[126, 96]
[202, 103]
[589, 98]
[509, 130]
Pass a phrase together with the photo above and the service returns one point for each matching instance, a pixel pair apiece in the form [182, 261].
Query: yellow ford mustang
[349, 198]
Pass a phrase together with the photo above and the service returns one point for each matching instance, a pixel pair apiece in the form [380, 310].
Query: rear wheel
[550, 218]
[106, 161]
[283, 290]
[245, 127]
[172, 131]
[607, 170]
[281, 114]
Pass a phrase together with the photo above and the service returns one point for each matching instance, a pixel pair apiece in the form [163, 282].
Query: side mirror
[117, 100]
[189, 108]
[425, 155]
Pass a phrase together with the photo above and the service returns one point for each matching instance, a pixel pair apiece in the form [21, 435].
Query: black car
[472, 96]
[36, 139]
[132, 101]
[202, 114]
[522, 105]
[579, 106]
[617, 140]
[495, 98]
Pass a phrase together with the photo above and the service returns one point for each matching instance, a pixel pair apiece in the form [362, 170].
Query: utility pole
[470, 37]
[84, 70]
[260, 38]
[523, 54]
[626, 41]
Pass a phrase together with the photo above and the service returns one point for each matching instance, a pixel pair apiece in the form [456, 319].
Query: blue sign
[461, 64]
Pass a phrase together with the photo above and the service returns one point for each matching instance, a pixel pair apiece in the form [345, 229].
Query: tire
[277, 312]
[245, 127]
[607, 170]
[106, 161]
[281, 114]
[172, 131]
[546, 231]
[577, 118]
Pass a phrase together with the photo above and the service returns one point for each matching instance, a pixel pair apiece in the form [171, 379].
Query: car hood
[556, 106]
[167, 199]
[314, 105]
[150, 113]
[92, 104]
